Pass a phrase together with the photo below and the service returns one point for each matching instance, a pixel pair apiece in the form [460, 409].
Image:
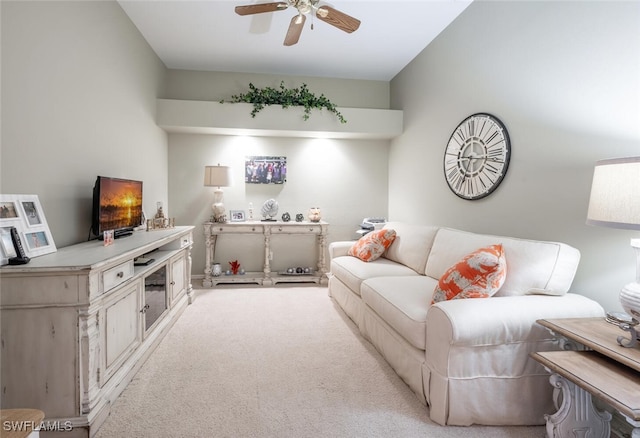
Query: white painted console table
[78, 324]
[605, 370]
[267, 229]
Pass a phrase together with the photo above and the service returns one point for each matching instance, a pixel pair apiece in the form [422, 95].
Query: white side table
[266, 229]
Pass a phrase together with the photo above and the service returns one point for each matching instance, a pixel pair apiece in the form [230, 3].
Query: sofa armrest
[502, 320]
[337, 249]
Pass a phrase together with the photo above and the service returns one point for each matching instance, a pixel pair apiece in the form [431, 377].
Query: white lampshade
[217, 176]
[615, 194]
[615, 202]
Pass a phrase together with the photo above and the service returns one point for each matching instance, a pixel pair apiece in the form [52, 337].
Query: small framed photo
[37, 242]
[237, 215]
[8, 211]
[31, 213]
[7, 250]
[108, 237]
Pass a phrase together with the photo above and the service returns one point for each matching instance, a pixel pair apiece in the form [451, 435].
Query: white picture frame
[25, 213]
[7, 250]
[237, 216]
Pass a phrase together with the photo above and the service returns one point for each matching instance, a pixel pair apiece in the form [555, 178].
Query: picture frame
[31, 213]
[8, 211]
[237, 216]
[265, 169]
[25, 213]
[7, 250]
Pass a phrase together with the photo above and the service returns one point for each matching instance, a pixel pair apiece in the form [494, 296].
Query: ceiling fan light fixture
[304, 6]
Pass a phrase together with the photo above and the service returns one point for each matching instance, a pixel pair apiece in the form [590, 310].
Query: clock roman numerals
[477, 156]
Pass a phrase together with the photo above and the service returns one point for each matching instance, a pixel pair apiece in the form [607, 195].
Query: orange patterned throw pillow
[372, 245]
[478, 275]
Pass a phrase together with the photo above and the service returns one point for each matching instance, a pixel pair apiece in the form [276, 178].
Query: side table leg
[210, 247]
[322, 262]
[267, 280]
[635, 433]
[576, 416]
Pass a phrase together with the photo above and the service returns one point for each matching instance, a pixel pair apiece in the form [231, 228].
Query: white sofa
[467, 359]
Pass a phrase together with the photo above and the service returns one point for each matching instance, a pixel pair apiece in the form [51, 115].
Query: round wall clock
[477, 156]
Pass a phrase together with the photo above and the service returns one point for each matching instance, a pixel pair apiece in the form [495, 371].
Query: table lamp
[218, 176]
[615, 202]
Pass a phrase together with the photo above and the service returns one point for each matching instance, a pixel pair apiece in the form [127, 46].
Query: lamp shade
[217, 176]
[615, 194]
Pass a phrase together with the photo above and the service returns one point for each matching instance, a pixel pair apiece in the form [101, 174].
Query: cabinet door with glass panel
[155, 296]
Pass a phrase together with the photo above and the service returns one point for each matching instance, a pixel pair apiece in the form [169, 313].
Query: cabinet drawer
[117, 275]
[183, 242]
[296, 229]
[243, 229]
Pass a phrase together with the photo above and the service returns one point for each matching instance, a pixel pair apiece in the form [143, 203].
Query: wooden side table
[592, 364]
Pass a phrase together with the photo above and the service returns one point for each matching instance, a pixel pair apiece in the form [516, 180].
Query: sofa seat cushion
[352, 271]
[402, 302]
[533, 266]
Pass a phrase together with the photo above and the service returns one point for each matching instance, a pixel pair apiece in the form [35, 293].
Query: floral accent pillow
[478, 275]
[372, 245]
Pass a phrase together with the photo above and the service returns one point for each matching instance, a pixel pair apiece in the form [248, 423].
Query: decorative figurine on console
[235, 267]
[159, 222]
[314, 214]
[269, 210]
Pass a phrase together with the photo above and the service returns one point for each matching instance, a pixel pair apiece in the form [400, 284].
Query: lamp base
[630, 301]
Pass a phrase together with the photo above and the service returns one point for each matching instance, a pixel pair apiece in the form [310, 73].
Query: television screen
[117, 205]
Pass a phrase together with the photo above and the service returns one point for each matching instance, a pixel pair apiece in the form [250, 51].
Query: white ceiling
[210, 36]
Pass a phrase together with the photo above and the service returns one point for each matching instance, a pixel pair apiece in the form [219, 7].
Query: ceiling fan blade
[338, 19]
[261, 7]
[295, 29]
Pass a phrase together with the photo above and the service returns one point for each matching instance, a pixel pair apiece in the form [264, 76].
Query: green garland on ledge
[301, 96]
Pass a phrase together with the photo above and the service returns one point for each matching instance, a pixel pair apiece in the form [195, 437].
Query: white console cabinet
[77, 324]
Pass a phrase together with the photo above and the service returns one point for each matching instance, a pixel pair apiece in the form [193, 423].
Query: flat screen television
[117, 206]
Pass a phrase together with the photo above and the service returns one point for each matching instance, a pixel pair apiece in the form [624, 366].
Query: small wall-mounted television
[117, 206]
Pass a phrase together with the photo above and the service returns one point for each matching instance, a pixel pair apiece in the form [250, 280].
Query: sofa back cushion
[412, 245]
[533, 267]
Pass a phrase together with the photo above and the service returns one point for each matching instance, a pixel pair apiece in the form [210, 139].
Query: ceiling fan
[305, 7]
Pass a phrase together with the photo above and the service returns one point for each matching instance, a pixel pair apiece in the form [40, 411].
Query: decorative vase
[216, 270]
[314, 214]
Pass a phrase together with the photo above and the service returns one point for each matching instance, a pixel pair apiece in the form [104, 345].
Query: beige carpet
[273, 362]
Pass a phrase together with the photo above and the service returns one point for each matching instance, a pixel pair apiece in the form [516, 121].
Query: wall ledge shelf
[205, 117]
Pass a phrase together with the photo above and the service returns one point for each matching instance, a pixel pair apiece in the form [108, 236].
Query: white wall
[79, 88]
[347, 179]
[215, 86]
[564, 77]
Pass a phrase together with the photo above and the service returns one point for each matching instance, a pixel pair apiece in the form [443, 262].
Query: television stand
[91, 307]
